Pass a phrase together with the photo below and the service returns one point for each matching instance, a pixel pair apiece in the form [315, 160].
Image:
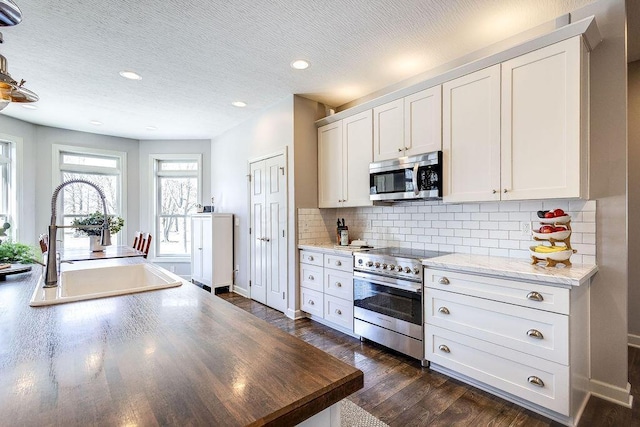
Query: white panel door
[258, 285]
[275, 222]
[388, 131]
[357, 155]
[269, 231]
[423, 121]
[330, 165]
[471, 136]
[541, 123]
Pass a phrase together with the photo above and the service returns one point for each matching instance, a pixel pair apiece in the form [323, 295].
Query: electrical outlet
[525, 228]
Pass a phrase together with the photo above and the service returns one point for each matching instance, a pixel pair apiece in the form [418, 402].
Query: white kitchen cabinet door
[212, 249]
[471, 136]
[541, 139]
[357, 155]
[330, 153]
[388, 131]
[196, 250]
[423, 122]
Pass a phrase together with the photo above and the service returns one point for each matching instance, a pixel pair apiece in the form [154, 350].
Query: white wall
[634, 201]
[268, 132]
[145, 220]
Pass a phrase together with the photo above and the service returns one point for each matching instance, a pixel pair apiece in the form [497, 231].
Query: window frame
[58, 150]
[15, 194]
[154, 160]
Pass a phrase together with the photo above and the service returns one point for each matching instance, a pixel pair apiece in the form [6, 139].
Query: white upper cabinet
[513, 131]
[344, 154]
[471, 136]
[423, 122]
[408, 126]
[540, 137]
[388, 131]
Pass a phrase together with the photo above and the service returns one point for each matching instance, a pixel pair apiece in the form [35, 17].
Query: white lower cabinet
[326, 288]
[523, 341]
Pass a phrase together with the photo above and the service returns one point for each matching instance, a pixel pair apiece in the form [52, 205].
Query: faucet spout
[51, 272]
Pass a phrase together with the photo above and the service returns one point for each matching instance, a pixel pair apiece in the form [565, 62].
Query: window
[6, 188]
[106, 170]
[177, 183]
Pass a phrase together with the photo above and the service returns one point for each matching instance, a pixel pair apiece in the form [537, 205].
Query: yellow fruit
[548, 249]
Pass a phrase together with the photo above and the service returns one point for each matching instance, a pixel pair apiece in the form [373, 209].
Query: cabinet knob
[310, 258]
[443, 310]
[535, 381]
[311, 302]
[338, 312]
[534, 333]
[399, 150]
[338, 263]
[338, 285]
[494, 191]
[444, 348]
[266, 239]
[535, 296]
[505, 190]
[443, 281]
[311, 277]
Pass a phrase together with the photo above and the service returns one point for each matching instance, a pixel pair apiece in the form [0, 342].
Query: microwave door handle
[416, 190]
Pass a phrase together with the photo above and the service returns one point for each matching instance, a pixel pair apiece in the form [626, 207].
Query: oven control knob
[377, 265]
[370, 263]
[416, 270]
[384, 265]
[391, 267]
[407, 269]
[399, 269]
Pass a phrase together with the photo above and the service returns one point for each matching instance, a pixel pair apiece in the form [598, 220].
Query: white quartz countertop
[330, 248]
[519, 269]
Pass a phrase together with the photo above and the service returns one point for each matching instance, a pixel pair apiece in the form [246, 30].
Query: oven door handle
[415, 289]
[415, 180]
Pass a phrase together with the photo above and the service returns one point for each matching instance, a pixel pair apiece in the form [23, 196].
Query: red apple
[558, 212]
[546, 229]
[549, 214]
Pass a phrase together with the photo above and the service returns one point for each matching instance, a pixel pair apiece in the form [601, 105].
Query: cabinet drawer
[337, 262]
[339, 311]
[532, 295]
[508, 370]
[539, 333]
[338, 283]
[312, 277]
[311, 301]
[313, 258]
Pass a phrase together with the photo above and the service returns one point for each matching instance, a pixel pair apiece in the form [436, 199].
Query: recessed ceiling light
[29, 106]
[151, 128]
[96, 122]
[239, 104]
[131, 75]
[300, 64]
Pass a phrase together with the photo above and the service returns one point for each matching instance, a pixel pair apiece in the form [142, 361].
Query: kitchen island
[178, 356]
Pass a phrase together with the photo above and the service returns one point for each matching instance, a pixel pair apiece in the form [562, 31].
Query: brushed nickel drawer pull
[535, 381]
[534, 333]
[535, 296]
[443, 281]
[338, 312]
[310, 257]
[443, 310]
[311, 277]
[444, 348]
[311, 302]
[338, 263]
[338, 284]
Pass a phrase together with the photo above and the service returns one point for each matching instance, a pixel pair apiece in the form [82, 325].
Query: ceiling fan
[10, 89]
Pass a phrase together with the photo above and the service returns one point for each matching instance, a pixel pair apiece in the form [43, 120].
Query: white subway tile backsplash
[492, 228]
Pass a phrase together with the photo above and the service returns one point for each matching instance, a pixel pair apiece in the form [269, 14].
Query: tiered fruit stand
[562, 236]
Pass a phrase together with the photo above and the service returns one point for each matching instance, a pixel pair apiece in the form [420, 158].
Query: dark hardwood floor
[400, 392]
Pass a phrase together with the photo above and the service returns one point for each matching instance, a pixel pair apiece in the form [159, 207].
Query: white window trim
[56, 178]
[16, 201]
[153, 209]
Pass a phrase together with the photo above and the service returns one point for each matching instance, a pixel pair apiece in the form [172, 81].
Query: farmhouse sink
[79, 284]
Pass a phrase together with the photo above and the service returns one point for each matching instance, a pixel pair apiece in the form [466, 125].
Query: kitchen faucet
[51, 275]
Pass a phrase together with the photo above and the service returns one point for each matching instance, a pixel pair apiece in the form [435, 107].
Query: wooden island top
[177, 356]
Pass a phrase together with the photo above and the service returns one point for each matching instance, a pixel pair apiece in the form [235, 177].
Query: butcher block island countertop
[177, 356]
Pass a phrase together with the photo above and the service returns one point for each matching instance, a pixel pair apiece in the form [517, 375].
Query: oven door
[397, 299]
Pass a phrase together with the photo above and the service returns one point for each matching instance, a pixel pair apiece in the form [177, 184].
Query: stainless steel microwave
[415, 177]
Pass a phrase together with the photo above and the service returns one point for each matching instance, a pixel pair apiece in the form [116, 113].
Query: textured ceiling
[198, 56]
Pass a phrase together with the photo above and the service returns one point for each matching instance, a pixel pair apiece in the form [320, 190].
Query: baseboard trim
[611, 393]
[294, 314]
[239, 291]
[633, 340]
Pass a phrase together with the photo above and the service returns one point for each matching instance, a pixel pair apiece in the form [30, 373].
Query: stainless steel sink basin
[79, 284]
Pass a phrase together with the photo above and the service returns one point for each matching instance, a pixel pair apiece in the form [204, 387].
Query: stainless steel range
[387, 299]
